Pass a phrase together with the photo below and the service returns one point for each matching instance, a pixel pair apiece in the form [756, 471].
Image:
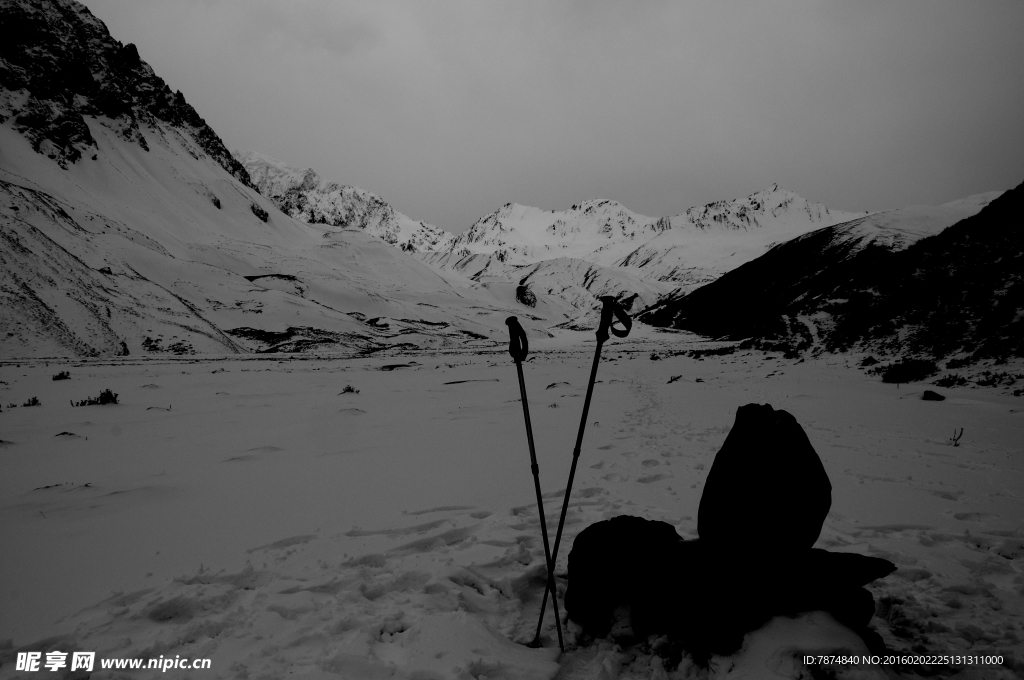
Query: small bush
[63, 375]
[713, 352]
[34, 401]
[106, 397]
[951, 380]
[348, 389]
[908, 370]
[988, 379]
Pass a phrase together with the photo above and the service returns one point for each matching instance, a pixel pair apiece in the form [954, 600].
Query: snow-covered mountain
[303, 195]
[609, 234]
[594, 248]
[128, 228]
[566, 259]
[59, 67]
[600, 247]
[847, 274]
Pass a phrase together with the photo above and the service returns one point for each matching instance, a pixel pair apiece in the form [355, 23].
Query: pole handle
[609, 308]
[518, 346]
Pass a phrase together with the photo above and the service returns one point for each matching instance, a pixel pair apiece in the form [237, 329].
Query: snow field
[251, 512]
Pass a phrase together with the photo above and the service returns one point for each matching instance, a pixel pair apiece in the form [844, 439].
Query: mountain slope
[58, 64]
[608, 234]
[566, 259]
[899, 281]
[303, 195]
[139, 234]
[602, 248]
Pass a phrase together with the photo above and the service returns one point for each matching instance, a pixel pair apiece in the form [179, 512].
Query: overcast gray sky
[450, 109]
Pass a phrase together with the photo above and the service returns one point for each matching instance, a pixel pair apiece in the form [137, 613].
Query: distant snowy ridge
[600, 247]
[302, 194]
[861, 278]
[685, 250]
[607, 233]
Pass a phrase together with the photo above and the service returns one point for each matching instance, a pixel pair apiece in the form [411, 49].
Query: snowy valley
[257, 416]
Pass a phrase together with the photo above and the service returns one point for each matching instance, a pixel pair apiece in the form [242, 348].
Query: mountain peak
[58, 64]
[302, 194]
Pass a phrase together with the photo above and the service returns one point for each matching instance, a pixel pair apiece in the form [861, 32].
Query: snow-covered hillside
[609, 234]
[306, 197]
[565, 258]
[793, 291]
[128, 228]
[601, 247]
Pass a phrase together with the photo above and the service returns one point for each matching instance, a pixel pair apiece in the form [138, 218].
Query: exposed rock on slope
[155, 242]
[58, 64]
[303, 195]
[898, 282]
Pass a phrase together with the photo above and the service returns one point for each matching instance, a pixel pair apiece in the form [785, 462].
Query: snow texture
[254, 512]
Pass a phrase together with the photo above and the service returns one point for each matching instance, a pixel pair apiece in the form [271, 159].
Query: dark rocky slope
[58, 64]
[956, 292]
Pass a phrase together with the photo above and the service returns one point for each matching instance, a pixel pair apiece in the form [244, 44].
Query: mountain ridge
[59, 64]
[127, 229]
[890, 282]
[304, 195]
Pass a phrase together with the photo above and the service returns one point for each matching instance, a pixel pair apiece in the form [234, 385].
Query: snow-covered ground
[250, 511]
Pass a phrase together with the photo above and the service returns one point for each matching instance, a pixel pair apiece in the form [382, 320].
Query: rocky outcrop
[525, 296]
[302, 194]
[59, 66]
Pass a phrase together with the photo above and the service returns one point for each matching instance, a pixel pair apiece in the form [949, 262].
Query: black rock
[766, 485]
[259, 212]
[526, 296]
[929, 395]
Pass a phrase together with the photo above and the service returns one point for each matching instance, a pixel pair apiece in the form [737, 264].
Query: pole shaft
[550, 563]
[572, 469]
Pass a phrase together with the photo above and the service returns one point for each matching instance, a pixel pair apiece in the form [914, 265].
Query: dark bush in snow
[106, 397]
[908, 370]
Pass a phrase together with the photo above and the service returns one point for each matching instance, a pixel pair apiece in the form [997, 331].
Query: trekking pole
[519, 347]
[609, 308]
